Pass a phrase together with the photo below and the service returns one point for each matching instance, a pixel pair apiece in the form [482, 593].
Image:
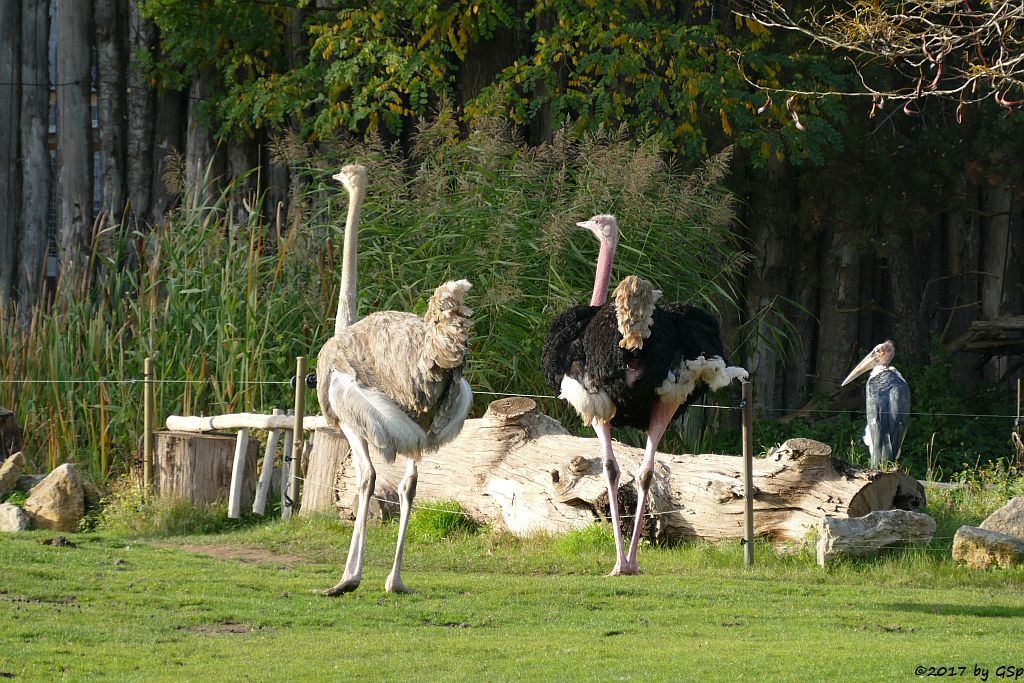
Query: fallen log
[520, 470]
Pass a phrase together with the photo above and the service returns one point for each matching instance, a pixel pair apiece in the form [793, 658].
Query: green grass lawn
[487, 607]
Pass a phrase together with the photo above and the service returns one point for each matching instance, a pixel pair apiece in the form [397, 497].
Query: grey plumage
[887, 404]
[888, 415]
[398, 378]
[392, 383]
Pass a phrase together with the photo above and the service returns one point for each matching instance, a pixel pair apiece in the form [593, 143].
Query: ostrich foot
[394, 585]
[344, 586]
[625, 568]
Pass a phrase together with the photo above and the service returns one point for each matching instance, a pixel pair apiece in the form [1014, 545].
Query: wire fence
[808, 413]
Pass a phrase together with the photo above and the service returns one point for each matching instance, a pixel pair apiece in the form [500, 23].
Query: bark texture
[520, 470]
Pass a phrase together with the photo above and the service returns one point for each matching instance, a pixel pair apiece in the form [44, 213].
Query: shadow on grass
[983, 611]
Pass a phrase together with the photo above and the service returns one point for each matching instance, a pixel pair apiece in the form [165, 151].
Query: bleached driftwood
[188, 423]
[518, 469]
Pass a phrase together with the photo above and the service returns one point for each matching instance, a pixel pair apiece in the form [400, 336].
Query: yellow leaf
[725, 122]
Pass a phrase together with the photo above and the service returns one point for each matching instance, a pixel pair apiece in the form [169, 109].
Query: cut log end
[510, 408]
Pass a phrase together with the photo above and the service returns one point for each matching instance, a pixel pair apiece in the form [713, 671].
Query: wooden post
[747, 405]
[296, 465]
[147, 427]
[237, 474]
[259, 505]
[286, 468]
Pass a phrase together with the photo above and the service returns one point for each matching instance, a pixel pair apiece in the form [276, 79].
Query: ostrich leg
[406, 492]
[611, 473]
[366, 478]
[661, 415]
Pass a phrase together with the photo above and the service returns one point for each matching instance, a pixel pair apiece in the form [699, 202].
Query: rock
[865, 536]
[27, 482]
[58, 501]
[10, 433]
[981, 548]
[12, 518]
[1008, 519]
[11, 468]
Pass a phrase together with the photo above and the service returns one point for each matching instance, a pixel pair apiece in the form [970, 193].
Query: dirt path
[231, 552]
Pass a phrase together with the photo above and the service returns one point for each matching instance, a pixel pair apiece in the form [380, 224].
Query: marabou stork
[888, 404]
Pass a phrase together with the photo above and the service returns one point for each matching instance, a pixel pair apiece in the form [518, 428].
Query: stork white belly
[588, 404]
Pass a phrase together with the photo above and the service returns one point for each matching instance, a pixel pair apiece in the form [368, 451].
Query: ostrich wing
[562, 346]
[451, 413]
[375, 416]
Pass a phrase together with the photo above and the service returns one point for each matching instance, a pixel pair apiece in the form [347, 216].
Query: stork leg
[611, 473]
[365, 480]
[661, 415]
[406, 492]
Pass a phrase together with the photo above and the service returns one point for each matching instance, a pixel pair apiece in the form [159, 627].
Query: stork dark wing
[888, 414]
[563, 345]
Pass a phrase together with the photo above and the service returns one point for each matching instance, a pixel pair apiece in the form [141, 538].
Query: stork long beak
[869, 362]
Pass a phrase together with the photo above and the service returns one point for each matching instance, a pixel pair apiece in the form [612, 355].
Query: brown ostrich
[392, 383]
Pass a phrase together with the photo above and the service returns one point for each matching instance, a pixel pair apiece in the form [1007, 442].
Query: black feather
[584, 343]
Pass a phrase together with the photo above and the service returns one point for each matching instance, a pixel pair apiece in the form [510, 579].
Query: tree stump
[518, 469]
[330, 450]
[197, 467]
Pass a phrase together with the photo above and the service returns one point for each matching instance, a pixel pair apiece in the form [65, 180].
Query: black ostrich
[631, 363]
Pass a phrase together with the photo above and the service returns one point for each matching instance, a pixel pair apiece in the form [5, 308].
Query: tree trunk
[35, 154]
[203, 166]
[518, 469]
[330, 451]
[197, 467]
[837, 337]
[74, 131]
[770, 236]
[995, 255]
[167, 179]
[963, 263]
[243, 158]
[140, 112]
[10, 72]
[110, 102]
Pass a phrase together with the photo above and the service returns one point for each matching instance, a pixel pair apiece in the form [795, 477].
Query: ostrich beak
[869, 362]
[587, 225]
[341, 177]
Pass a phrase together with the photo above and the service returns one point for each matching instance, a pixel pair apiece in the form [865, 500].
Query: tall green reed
[223, 308]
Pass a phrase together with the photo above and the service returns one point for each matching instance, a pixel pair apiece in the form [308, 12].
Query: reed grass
[224, 307]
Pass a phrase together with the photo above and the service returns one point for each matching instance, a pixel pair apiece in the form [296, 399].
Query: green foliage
[951, 433]
[125, 512]
[224, 309]
[661, 69]
[439, 521]
[487, 207]
[595, 537]
[15, 498]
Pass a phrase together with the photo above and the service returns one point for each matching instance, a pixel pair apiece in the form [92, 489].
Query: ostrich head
[353, 177]
[604, 227]
[606, 230]
[880, 356]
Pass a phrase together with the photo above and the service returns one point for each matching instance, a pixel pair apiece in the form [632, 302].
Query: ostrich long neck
[604, 272]
[347, 294]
